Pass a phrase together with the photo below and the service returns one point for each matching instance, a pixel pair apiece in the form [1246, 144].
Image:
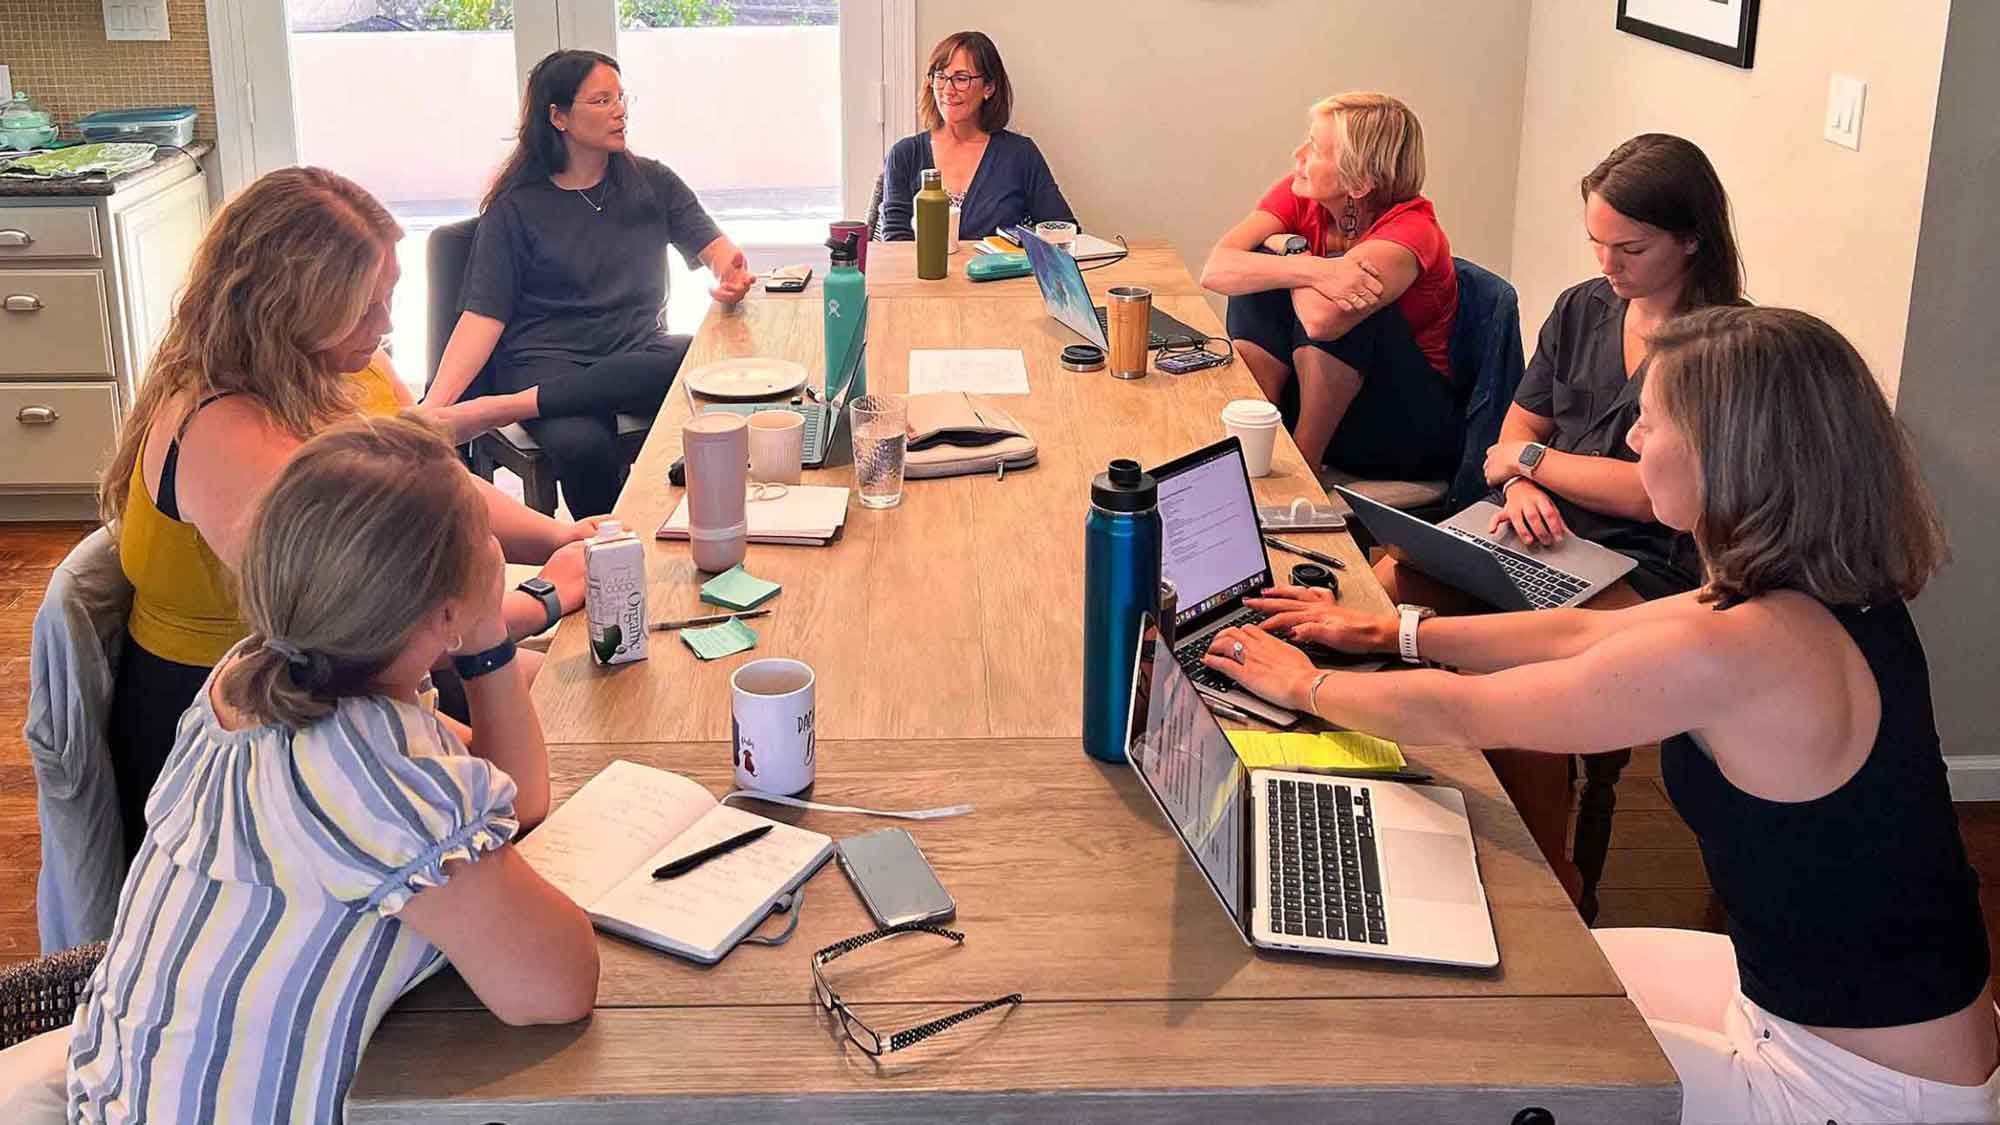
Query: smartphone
[895, 880]
[1180, 363]
[788, 279]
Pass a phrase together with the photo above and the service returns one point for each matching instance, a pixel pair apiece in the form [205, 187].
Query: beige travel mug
[1129, 311]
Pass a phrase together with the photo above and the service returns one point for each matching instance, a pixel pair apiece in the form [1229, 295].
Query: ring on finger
[1236, 651]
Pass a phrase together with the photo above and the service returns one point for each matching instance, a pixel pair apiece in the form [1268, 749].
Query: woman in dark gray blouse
[568, 280]
[1657, 216]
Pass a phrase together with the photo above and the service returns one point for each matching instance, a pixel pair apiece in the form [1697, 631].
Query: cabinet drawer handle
[37, 416]
[22, 302]
[14, 238]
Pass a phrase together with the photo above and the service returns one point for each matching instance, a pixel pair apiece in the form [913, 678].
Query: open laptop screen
[1186, 762]
[1063, 290]
[1210, 545]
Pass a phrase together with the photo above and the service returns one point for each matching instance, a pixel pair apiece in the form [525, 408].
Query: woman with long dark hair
[568, 281]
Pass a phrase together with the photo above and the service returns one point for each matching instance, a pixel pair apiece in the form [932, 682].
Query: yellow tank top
[183, 596]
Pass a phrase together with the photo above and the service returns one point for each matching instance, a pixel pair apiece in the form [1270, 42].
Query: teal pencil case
[995, 267]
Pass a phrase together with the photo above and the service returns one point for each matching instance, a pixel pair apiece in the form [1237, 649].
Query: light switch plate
[135, 19]
[1845, 97]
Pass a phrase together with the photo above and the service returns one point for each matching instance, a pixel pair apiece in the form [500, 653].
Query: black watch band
[478, 664]
[545, 591]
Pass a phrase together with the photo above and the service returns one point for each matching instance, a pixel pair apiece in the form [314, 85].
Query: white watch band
[1406, 635]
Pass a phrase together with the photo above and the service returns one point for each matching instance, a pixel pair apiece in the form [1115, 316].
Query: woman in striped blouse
[320, 840]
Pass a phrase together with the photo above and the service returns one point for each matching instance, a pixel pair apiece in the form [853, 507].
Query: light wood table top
[957, 614]
[892, 272]
[947, 638]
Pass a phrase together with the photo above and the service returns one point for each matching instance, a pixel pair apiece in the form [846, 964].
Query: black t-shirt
[573, 282]
[1578, 379]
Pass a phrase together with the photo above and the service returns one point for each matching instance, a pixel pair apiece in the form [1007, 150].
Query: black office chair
[509, 447]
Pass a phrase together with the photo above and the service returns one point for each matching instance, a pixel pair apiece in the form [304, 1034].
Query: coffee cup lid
[1251, 412]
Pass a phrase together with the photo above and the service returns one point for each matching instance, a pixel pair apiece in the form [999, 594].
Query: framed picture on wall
[1724, 30]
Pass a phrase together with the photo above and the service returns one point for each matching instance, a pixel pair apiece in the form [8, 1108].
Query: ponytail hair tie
[293, 655]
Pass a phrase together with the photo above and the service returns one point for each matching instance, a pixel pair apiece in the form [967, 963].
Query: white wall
[1823, 228]
[1169, 119]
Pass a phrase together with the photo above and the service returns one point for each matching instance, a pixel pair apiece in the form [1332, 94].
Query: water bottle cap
[1124, 487]
[933, 178]
[846, 248]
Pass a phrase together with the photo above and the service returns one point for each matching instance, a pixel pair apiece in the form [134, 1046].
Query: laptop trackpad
[1431, 866]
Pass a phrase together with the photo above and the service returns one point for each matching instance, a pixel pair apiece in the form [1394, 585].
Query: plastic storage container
[159, 125]
[24, 125]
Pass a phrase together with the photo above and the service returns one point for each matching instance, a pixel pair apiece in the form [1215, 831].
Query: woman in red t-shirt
[1355, 301]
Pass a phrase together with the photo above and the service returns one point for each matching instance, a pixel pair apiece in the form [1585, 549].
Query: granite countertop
[166, 160]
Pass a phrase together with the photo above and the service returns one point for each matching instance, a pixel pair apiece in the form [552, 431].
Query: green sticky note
[718, 641]
[1333, 750]
[738, 589]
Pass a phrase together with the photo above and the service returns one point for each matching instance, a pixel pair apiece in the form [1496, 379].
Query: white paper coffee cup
[777, 446]
[771, 725]
[1254, 423]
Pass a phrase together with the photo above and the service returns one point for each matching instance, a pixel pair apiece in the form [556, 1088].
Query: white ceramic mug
[777, 446]
[1253, 422]
[771, 725]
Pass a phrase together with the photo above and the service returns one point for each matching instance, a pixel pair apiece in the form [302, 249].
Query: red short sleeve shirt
[1430, 304]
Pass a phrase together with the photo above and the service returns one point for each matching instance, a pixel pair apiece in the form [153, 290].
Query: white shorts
[1739, 1063]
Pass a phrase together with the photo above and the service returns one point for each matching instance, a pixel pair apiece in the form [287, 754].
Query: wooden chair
[511, 446]
[43, 994]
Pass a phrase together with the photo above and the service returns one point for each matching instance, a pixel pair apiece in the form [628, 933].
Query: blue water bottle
[1121, 581]
[846, 299]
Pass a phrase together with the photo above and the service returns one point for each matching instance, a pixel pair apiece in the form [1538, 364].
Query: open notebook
[601, 846]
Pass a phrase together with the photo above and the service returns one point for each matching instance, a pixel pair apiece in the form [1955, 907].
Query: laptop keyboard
[1544, 585]
[1189, 655]
[1326, 881]
[1153, 339]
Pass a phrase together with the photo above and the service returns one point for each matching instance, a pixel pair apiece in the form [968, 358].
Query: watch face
[1531, 454]
[538, 587]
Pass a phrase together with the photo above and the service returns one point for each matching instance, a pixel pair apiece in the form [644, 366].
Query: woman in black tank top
[1792, 701]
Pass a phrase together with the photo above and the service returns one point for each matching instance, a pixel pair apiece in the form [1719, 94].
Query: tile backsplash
[58, 53]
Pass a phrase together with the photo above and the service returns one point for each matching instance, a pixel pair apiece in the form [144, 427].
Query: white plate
[747, 378]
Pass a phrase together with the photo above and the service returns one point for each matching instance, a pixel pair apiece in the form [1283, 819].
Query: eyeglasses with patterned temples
[874, 1042]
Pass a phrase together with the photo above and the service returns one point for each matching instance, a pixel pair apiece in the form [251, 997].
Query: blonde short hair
[1381, 144]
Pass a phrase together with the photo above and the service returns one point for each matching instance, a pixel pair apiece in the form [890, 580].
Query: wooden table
[947, 640]
[892, 272]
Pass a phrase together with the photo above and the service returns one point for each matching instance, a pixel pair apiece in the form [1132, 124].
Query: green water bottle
[846, 296]
[933, 222]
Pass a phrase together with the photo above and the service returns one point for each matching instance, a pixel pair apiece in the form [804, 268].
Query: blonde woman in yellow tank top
[275, 337]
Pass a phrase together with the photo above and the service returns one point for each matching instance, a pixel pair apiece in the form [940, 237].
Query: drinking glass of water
[879, 425]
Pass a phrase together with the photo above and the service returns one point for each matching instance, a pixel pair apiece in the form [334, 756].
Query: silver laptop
[1212, 549]
[1461, 553]
[1305, 862]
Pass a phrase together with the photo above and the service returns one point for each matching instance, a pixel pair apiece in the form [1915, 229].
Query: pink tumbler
[843, 228]
[717, 448]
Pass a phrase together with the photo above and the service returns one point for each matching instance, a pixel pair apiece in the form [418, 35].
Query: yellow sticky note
[1338, 749]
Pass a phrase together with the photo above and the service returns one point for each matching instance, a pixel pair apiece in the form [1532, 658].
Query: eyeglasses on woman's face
[960, 80]
[606, 101]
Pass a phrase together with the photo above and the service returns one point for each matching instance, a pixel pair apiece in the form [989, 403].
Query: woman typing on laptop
[1792, 701]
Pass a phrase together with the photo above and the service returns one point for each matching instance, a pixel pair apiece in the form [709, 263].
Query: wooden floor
[1653, 876]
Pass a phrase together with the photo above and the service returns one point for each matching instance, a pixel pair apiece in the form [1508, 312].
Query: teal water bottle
[846, 297]
[1121, 583]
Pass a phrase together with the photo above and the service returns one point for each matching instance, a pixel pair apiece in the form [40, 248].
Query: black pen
[1305, 552]
[688, 863]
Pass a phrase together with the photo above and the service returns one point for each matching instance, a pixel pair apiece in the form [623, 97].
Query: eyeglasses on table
[874, 1042]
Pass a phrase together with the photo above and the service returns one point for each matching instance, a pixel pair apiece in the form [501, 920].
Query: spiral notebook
[601, 846]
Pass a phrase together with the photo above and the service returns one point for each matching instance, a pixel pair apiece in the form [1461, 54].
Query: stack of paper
[805, 514]
[978, 371]
[738, 589]
[1330, 750]
[717, 641]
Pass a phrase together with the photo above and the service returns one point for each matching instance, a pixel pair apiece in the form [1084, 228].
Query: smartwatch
[1296, 244]
[1531, 455]
[545, 591]
[1406, 630]
[479, 663]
